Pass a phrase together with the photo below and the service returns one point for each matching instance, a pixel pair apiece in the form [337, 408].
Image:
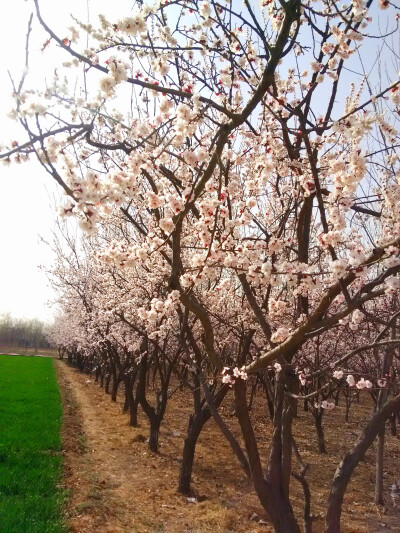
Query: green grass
[30, 460]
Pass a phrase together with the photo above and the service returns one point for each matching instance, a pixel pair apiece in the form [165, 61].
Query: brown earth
[117, 485]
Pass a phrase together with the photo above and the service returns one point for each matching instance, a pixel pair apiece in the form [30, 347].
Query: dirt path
[94, 458]
[116, 487]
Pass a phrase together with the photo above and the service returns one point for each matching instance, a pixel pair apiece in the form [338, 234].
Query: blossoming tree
[254, 157]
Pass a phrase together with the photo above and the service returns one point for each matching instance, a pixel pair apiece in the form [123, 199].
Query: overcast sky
[27, 195]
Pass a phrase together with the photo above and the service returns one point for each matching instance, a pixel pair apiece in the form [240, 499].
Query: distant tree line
[22, 332]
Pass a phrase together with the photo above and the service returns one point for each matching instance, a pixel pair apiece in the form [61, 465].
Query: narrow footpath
[115, 487]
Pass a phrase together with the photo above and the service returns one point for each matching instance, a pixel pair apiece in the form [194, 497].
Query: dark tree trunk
[197, 421]
[155, 423]
[270, 495]
[320, 430]
[286, 468]
[346, 416]
[126, 399]
[269, 395]
[114, 389]
[107, 384]
[380, 448]
[154, 414]
[236, 448]
[337, 398]
[113, 386]
[347, 466]
[289, 408]
[131, 401]
[185, 475]
[301, 478]
[133, 411]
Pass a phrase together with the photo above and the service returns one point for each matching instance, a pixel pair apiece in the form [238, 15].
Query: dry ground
[117, 485]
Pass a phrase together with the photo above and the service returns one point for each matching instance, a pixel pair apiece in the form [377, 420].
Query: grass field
[30, 462]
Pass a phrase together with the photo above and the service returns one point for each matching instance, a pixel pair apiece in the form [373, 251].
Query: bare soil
[117, 485]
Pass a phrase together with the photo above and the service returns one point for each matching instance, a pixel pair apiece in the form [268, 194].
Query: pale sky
[27, 194]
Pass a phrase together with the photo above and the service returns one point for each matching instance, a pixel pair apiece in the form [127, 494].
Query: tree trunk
[289, 408]
[185, 475]
[155, 423]
[346, 416]
[131, 402]
[269, 395]
[286, 468]
[380, 447]
[236, 448]
[155, 415]
[133, 411]
[196, 423]
[114, 389]
[347, 466]
[107, 386]
[320, 431]
[337, 398]
[272, 499]
[126, 400]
